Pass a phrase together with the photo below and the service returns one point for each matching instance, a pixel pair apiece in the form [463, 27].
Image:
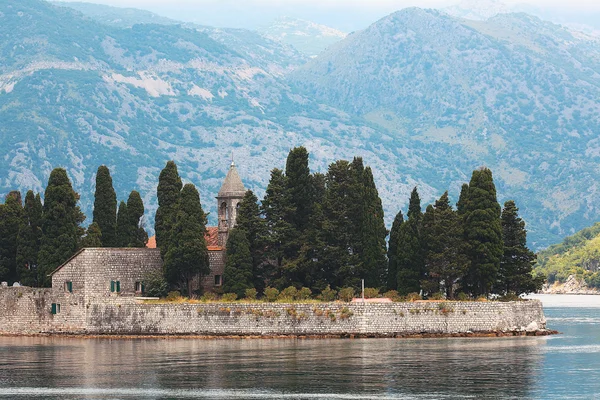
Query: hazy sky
[347, 15]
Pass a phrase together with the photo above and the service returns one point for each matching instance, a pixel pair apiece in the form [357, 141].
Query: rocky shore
[571, 286]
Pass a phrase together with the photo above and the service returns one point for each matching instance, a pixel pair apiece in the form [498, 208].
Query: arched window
[224, 211]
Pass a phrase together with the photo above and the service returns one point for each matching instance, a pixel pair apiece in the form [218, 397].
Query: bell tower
[231, 194]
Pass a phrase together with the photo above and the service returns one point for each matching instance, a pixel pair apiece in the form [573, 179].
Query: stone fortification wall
[315, 319]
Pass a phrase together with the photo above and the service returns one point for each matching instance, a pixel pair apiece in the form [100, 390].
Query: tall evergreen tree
[105, 207]
[392, 272]
[187, 256]
[461, 204]
[410, 257]
[299, 186]
[238, 276]
[60, 224]
[137, 236]
[515, 273]
[123, 231]
[483, 233]
[168, 191]
[250, 221]
[276, 208]
[446, 259]
[93, 237]
[11, 219]
[373, 234]
[28, 242]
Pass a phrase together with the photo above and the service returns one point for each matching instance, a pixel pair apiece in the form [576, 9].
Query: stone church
[109, 272]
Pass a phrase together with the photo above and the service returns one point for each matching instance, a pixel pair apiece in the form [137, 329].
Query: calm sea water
[563, 366]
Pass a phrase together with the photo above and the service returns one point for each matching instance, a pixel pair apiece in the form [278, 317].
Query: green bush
[328, 294]
[155, 284]
[228, 297]
[271, 294]
[392, 295]
[462, 297]
[174, 295]
[346, 294]
[288, 294]
[251, 294]
[304, 293]
[413, 296]
[371, 293]
[509, 297]
[437, 296]
[209, 296]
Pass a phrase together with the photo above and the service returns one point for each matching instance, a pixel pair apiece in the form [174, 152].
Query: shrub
[413, 296]
[251, 294]
[304, 293]
[371, 293]
[328, 294]
[346, 294]
[229, 297]
[510, 297]
[155, 284]
[437, 296]
[271, 294]
[392, 295]
[463, 297]
[482, 298]
[174, 295]
[209, 296]
[289, 293]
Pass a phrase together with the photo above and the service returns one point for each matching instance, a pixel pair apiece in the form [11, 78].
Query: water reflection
[249, 368]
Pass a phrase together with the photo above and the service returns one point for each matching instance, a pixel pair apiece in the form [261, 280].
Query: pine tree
[137, 236]
[446, 259]
[250, 221]
[238, 276]
[11, 219]
[373, 234]
[515, 273]
[392, 273]
[93, 238]
[60, 225]
[187, 256]
[462, 200]
[105, 207]
[28, 242]
[410, 257]
[276, 208]
[168, 191]
[123, 231]
[483, 233]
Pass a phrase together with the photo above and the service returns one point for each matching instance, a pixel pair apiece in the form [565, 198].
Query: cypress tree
[169, 188]
[250, 221]
[28, 242]
[187, 256]
[105, 207]
[299, 186]
[515, 273]
[123, 231]
[446, 259]
[60, 225]
[392, 272]
[93, 238]
[11, 219]
[137, 236]
[462, 200]
[483, 233]
[410, 249]
[238, 276]
[373, 234]
[276, 208]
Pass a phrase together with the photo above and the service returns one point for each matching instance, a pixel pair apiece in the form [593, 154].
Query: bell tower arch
[230, 196]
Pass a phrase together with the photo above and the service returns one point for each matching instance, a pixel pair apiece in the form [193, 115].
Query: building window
[69, 286]
[115, 286]
[140, 287]
[218, 280]
[55, 308]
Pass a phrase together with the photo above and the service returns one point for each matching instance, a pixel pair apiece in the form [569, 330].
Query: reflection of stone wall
[29, 312]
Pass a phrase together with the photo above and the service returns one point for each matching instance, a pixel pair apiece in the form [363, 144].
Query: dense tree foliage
[187, 257]
[238, 275]
[61, 230]
[105, 207]
[410, 255]
[169, 188]
[122, 225]
[392, 272]
[250, 221]
[93, 237]
[28, 242]
[11, 218]
[136, 234]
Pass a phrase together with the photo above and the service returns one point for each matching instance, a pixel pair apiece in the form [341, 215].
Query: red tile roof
[211, 237]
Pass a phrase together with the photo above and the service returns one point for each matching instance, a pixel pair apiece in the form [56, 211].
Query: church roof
[211, 236]
[232, 186]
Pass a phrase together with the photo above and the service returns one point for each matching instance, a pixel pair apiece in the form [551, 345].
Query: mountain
[77, 93]
[478, 10]
[117, 16]
[307, 37]
[515, 93]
